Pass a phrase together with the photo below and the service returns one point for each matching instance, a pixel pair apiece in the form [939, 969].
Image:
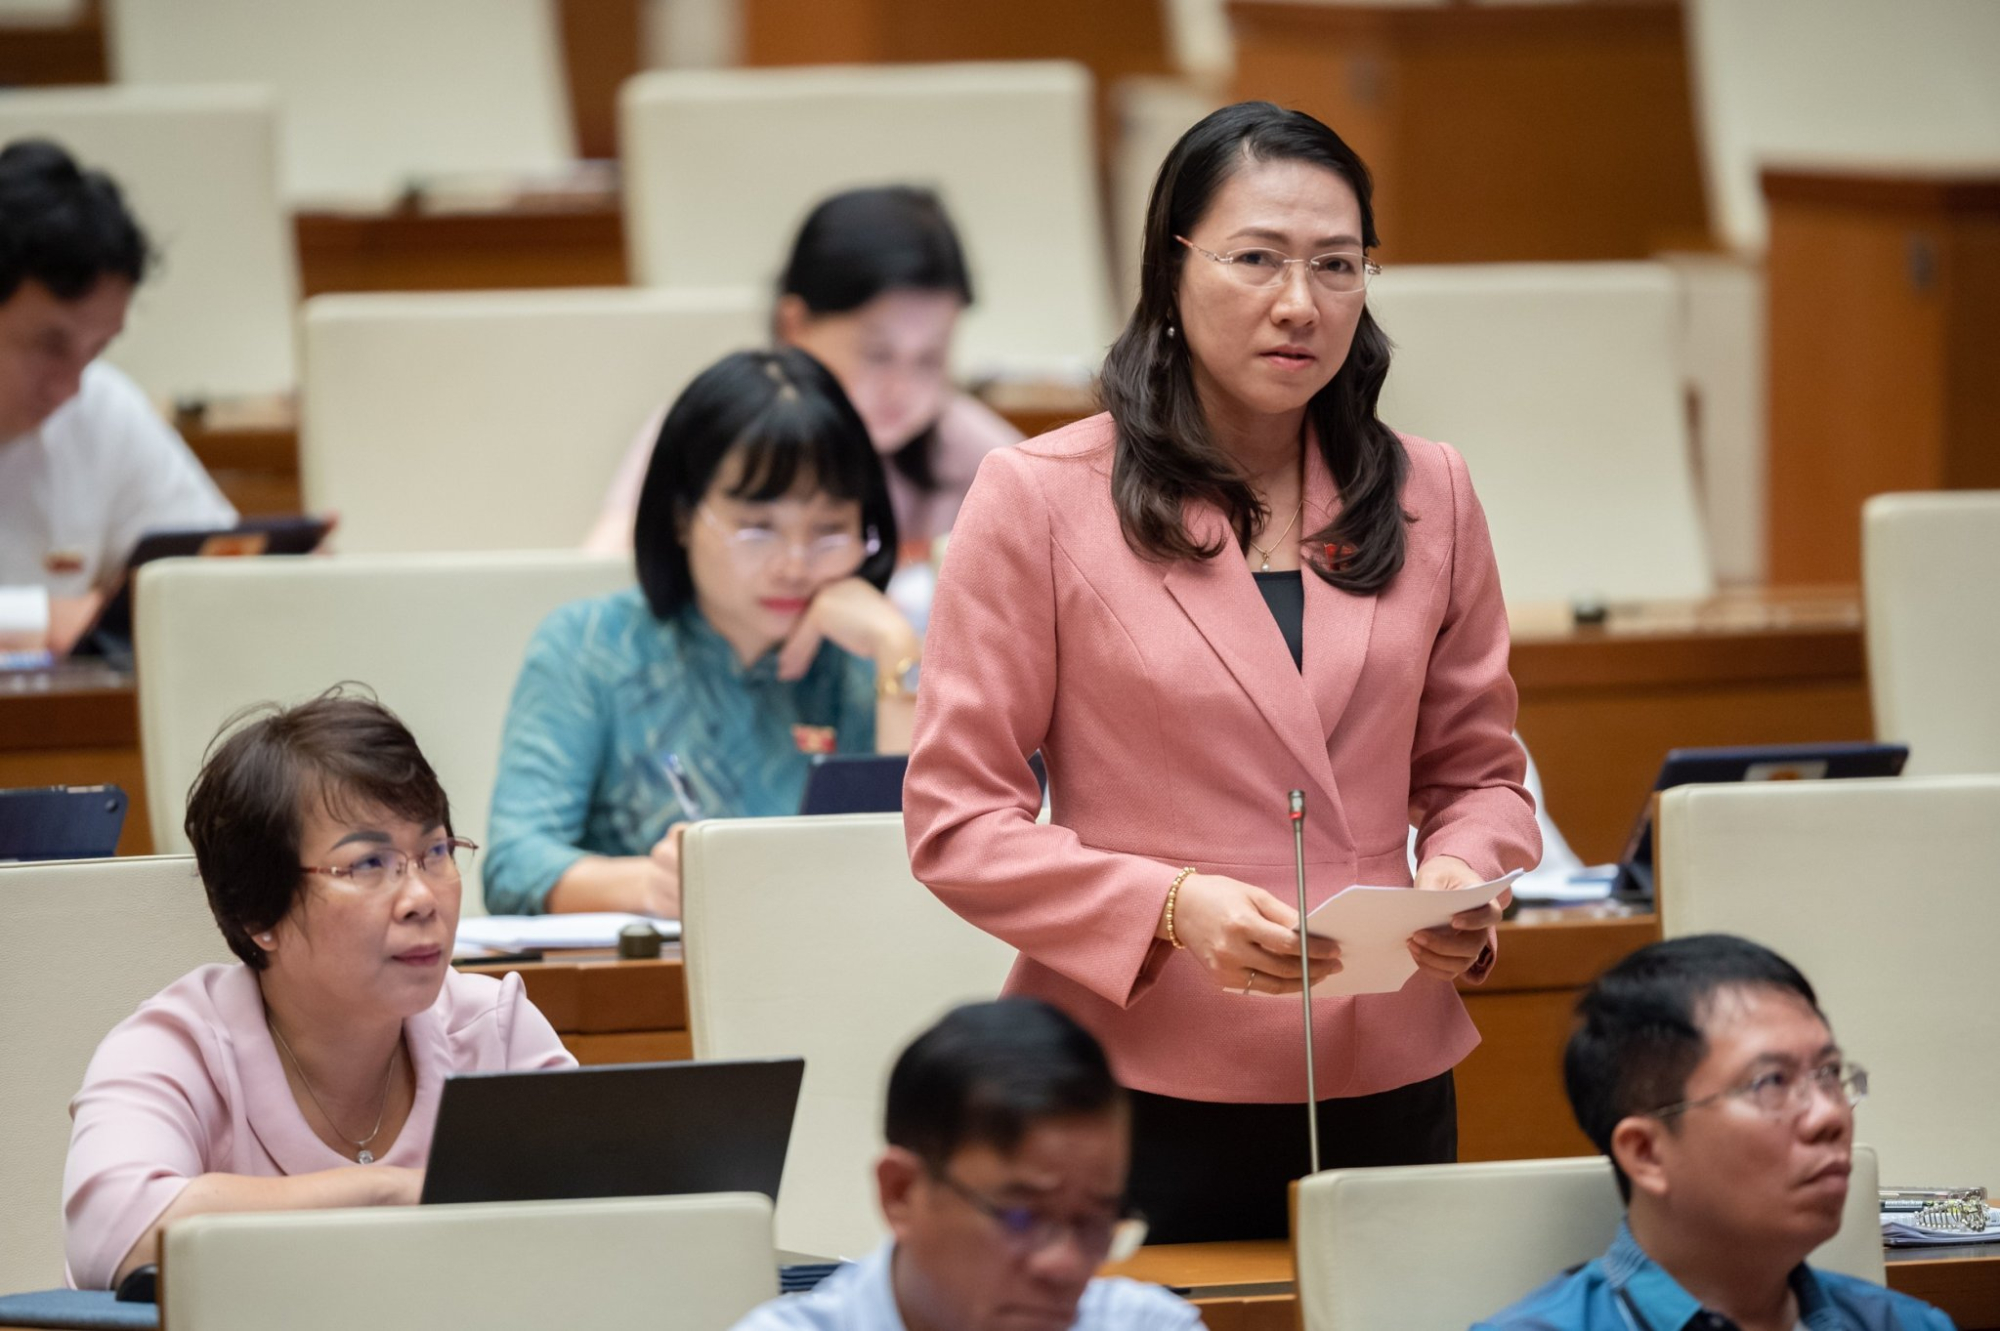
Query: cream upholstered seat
[1152, 113]
[1561, 385]
[87, 942]
[1372, 1244]
[1008, 146]
[1933, 620]
[198, 166]
[1879, 891]
[1836, 82]
[372, 94]
[615, 1264]
[807, 936]
[493, 420]
[439, 638]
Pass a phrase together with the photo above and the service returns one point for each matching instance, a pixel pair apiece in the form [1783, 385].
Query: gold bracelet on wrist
[900, 681]
[1173, 893]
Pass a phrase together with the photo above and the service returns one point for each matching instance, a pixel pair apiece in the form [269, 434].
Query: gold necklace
[363, 1156]
[1265, 554]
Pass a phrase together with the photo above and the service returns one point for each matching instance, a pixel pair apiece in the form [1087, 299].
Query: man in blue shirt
[1704, 1069]
[1003, 1184]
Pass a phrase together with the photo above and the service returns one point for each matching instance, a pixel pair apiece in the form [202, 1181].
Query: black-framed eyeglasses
[386, 867]
[1108, 1238]
[1786, 1090]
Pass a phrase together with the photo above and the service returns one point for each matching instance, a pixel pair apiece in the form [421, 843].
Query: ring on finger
[1249, 980]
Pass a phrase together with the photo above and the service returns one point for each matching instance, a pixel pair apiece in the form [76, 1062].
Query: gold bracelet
[1172, 893]
[898, 682]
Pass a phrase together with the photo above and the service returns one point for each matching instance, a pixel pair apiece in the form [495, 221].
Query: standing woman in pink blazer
[1235, 583]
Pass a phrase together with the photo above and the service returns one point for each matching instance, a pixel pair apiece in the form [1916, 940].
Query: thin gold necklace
[364, 1156]
[1262, 552]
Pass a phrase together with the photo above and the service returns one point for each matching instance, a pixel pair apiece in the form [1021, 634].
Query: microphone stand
[1298, 813]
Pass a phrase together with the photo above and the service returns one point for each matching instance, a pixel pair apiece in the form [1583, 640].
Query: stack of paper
[1898, 1232]
[1373, 927]
[536, 933]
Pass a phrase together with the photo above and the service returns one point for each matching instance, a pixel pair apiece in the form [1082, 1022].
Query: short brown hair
[246, 810]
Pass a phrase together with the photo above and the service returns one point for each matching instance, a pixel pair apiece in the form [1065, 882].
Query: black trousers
[1204, 1172]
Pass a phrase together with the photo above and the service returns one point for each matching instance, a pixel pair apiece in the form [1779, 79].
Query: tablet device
[110, 635]
[61, 823]
[623, 1130]
[1767, 762]
[867, 782]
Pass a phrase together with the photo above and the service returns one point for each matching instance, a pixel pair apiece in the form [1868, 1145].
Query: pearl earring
[1172, 332]
[266, 939]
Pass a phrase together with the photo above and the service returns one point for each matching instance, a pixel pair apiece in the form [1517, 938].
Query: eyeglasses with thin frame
[1340, 272]
[838, 552]
[1782, 1091]
[1111, 1238]
[388, 867]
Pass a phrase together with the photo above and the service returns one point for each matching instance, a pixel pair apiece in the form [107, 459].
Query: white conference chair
[1008, 147]
[1830, 82]
[612, 1264]
[439, 638]
[807, 936]
[1933, 617]
[87, 941]
[1722, 351]
[493, 420]
[1152, 114]
[1561, 385]
[374, 94]
[198, 166]
[1879, 892]
[1370, 1244]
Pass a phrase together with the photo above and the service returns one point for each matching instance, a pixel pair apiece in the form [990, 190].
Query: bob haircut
[63, 226]
[1165, 455]
[268, 766]
[786, 416]
[865, 243]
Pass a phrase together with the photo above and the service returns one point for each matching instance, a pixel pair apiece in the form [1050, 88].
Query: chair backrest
[439, 638]
[1723, 332]
[373, 94]
[1878, 891]
[198, 167]
[1802, 81]
[87, 942]
[1933, 617]
[808, 936]
[1008, 147]
[493, 420]
[1561, 385]
[1370, 1243]
[1152, 113]
[619, 1264]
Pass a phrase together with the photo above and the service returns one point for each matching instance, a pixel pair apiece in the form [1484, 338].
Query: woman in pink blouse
[309, 1074]
[873, 291]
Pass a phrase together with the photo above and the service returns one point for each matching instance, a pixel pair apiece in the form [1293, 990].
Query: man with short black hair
[87, 464]
[1705, 1070]
[1003, 1184]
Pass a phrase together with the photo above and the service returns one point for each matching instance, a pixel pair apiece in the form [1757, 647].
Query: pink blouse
[191, 1084]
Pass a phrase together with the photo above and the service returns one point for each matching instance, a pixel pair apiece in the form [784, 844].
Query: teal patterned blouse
[610, 697]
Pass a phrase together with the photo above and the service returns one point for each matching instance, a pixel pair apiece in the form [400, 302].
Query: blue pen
[677, 777]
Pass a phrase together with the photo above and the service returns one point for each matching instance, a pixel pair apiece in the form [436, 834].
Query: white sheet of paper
[1373, 926]
[525, 933]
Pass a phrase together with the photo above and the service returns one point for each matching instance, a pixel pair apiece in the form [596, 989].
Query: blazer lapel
[1222, 600]
[1338, 623]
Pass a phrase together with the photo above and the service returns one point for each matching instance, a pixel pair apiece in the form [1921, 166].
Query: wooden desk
[607, 1010]
[76, 725]
[1248, 1286]
[1496, 132]
[1601, 705]
[1882, 378]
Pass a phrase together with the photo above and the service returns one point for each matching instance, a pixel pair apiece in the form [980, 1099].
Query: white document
[1373, 927]
[533, 933]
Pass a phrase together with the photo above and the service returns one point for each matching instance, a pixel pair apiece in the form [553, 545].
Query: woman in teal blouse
[757, 636]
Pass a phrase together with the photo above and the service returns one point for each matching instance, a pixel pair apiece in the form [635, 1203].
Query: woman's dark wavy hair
[1165, 455]
[786, 415]
[864, 243]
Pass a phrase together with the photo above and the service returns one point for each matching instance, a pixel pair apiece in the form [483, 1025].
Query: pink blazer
[191, 1084]
[1173, 723]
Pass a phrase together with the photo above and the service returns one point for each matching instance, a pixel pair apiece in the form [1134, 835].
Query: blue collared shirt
[859, 1297]
[1625, 1290]
[606, 694]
